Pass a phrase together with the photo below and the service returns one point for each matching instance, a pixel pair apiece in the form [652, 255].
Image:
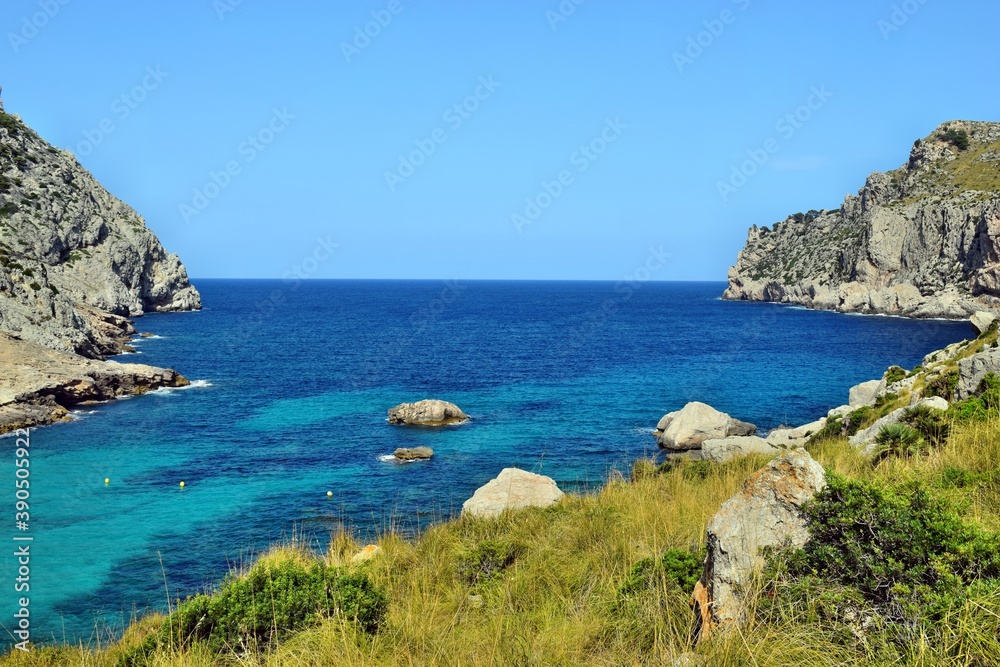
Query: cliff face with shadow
[920, 241]
[76, 264]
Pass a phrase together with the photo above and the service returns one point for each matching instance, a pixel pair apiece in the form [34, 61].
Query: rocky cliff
[75, 264]
[920, 241]
[75, 261]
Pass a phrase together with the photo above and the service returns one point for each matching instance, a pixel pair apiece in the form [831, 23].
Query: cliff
[75, 264]
[919, 241]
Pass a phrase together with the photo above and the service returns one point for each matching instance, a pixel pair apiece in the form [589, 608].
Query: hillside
[75, 264]
[919, 241]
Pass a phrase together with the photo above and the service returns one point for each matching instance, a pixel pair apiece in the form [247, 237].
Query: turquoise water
[292, 383]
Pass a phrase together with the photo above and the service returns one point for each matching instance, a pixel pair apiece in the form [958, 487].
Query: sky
[529, 139]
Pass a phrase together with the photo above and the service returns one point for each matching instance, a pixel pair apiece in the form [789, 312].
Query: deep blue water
[292, 386]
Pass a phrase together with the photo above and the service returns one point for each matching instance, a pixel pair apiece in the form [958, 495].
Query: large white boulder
[864, 393]
[429, 412]
[512, 489]
[695, 423]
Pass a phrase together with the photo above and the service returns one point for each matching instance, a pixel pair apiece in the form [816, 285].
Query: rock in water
[412, 454]
[765, 513]
[512, 489]
[695, 423]
[914, 242]
[429, 412]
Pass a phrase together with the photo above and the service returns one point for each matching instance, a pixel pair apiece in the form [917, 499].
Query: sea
[282, 433]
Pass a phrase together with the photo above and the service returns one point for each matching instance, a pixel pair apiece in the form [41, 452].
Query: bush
[833, 428]
[487, 561]
[906, 552]
[857, 420]
[932, 424]
[981, 404]
[894, 374]
[943, 385]
[957, 138]
[270, 603]
[9, 123]
[9, 208]
[676, 567]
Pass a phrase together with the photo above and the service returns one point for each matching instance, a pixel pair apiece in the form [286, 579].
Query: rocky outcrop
[38, 385]
[794, 437]
[512, 489]
[766, 512]
[972, 370]
[413, 453]
[981, 321]
[75, 261]
[429, 412]
[695, 423]
[864, 393]
[920, 241]
[734, 447]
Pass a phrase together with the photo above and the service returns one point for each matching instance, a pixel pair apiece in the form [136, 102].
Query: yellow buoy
[107, 480]
[182, 485]
[329, 494]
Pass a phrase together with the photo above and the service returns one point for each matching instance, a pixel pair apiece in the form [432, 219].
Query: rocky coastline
[76, 265]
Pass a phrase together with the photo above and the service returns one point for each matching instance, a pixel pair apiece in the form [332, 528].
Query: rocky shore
[920, 241]
[76, 264]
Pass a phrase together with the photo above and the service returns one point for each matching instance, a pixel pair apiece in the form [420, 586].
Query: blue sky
[526, 139]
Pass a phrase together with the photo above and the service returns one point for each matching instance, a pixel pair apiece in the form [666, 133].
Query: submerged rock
[429, 412]
[697, 422]
[766, 512]
[512, 489]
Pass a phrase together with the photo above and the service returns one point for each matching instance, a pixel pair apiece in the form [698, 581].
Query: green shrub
[833, 428]
[883, 400]
[943, 385]
[9, 208]
[933, 426]
[9, 123]
[899, 441]
[35, 286]
[676, 567]
[957, 138]
[894, 374]
[268, 604]
[857, 420]
[985, 401]
[487, 561]
[908, 553]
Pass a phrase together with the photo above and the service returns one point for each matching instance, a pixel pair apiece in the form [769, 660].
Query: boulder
[864, 393]
[841, 411]
[865, 440]
[512, 489]
[414, 453]
[791, 437]
[695, 423]
[726, 449]
[766, 512]
[367, 553]
[981, 320]
[972, 370]
[429, 412]
[665, 420]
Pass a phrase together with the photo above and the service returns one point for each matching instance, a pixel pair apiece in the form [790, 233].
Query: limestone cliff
[75, 264]
[75, 261]
[920, 241]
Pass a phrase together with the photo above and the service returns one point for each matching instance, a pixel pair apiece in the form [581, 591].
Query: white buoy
[182, 485]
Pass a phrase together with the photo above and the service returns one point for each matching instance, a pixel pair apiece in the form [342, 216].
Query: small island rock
[413, 454]
[429, 412]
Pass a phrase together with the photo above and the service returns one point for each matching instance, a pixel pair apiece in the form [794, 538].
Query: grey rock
[413, 453]
[737, 446]
[512, 489]
[943, 355]
[766, 512]
[864, 393]
[841, 411]
[73, 256]
[972, 370]
[981, 320]
[909, 243]
[696, 422]
[792, 437]
[428, 412]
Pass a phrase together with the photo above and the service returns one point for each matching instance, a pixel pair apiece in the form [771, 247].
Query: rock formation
[429, 412]
[413, 454]
[766, 512]
[512, 489]
[920, 241]
[75, 264]
[689, 427]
